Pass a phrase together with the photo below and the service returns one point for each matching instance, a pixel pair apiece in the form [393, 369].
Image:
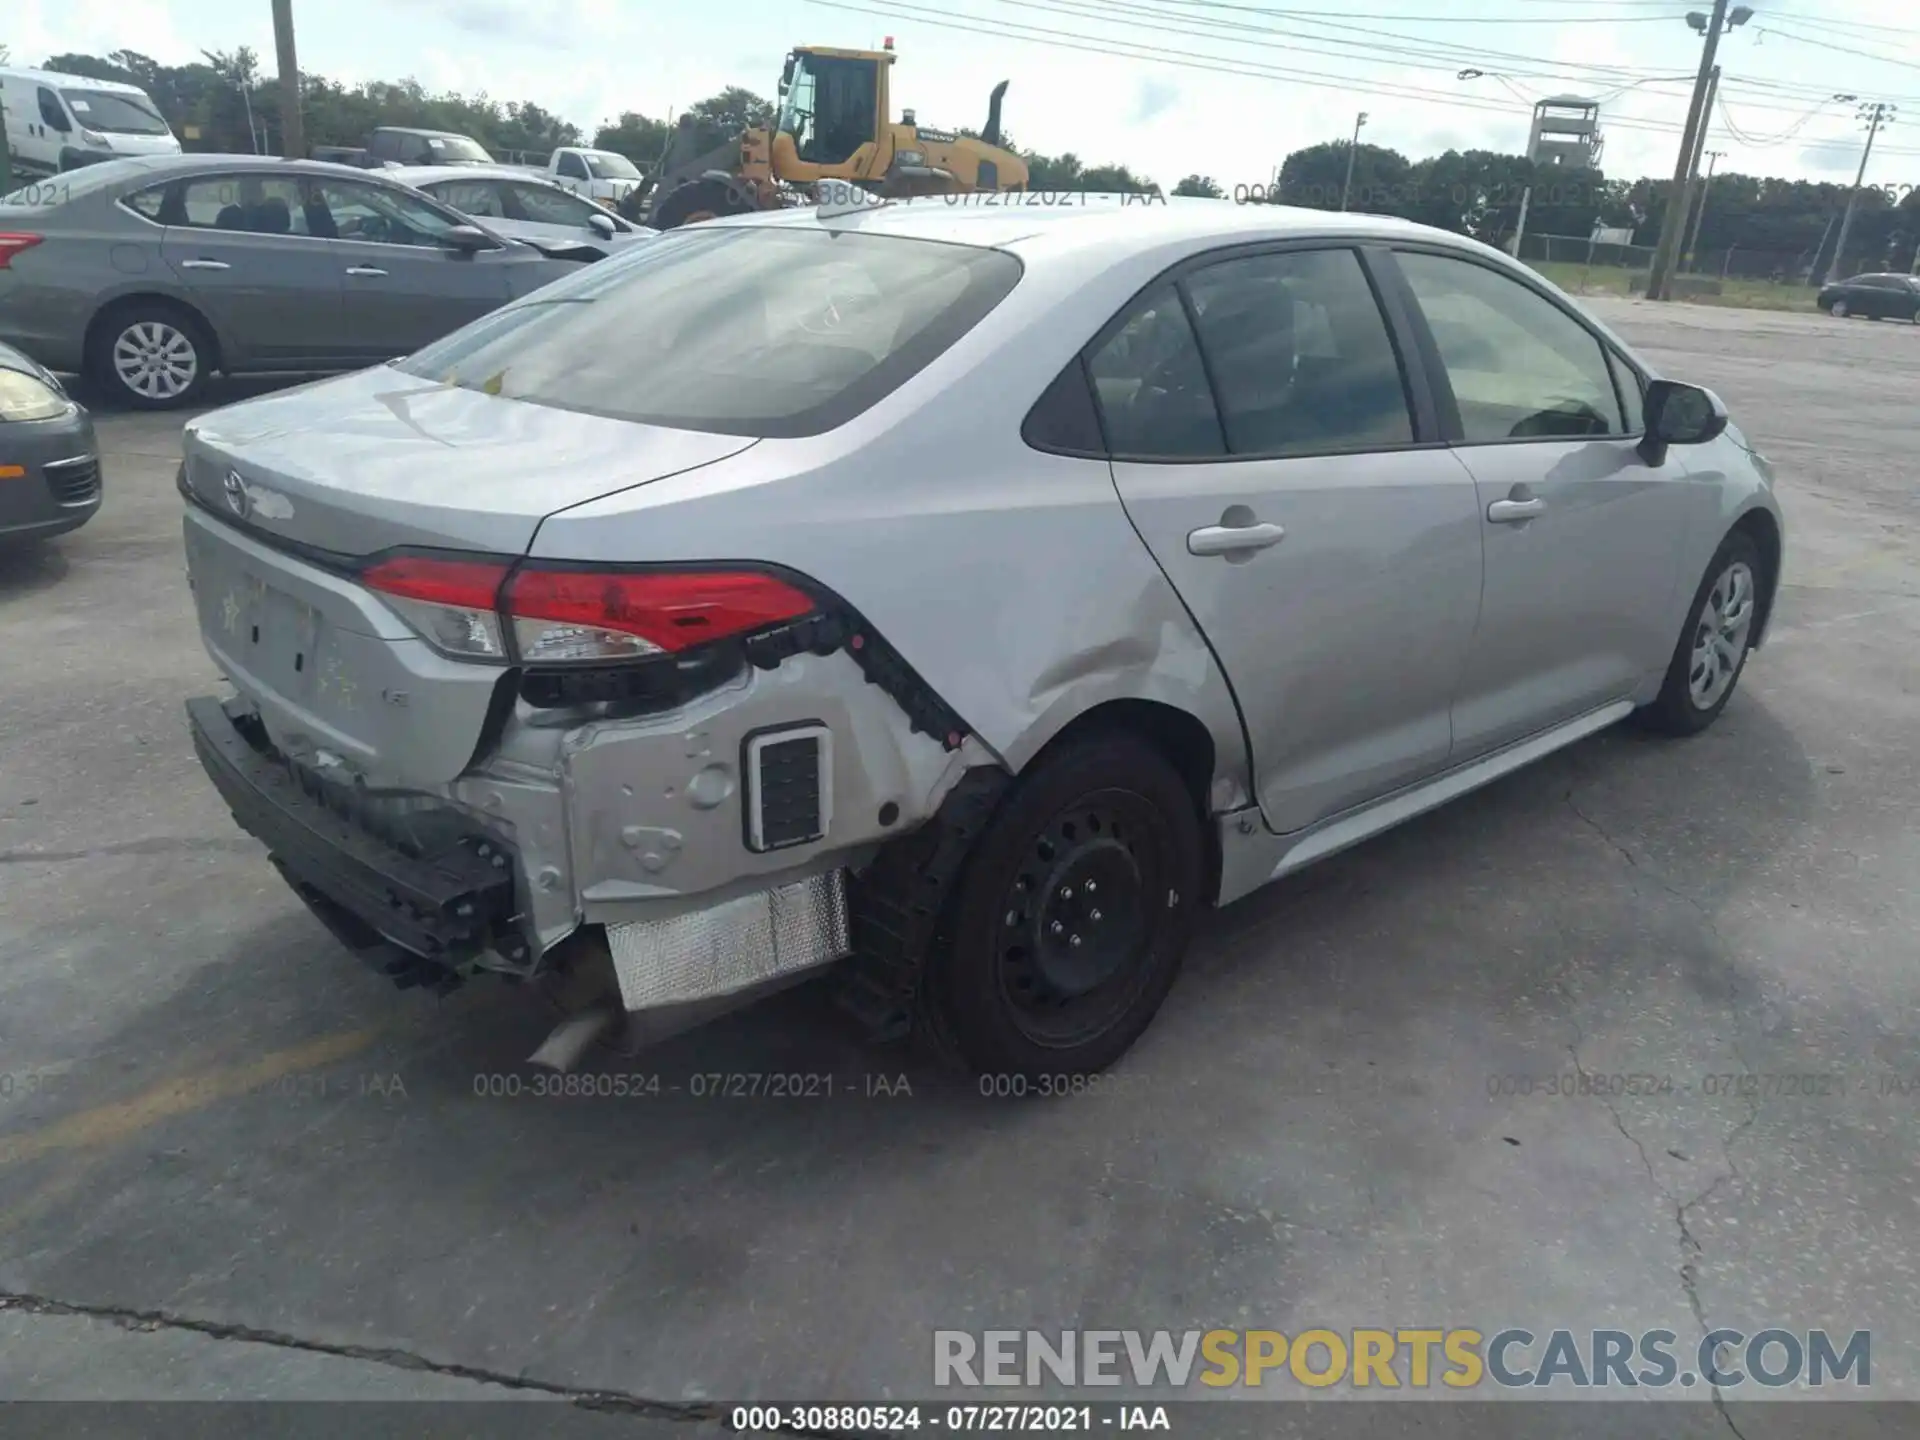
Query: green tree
[641, 139]
[1200, 185]
[1314, 177]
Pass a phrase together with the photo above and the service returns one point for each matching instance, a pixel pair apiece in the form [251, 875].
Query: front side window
[551, 205]
[115, 113]
[470, 197]
[1633, 394]
[1520, 366]
[1151, 386]
[742, 331]
[1299, 353]
[380, 216]
[51, 113]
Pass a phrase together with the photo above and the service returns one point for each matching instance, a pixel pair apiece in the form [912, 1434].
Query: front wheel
[1713, 649]
[701, 200]
[1839, 309]
[1072, 914]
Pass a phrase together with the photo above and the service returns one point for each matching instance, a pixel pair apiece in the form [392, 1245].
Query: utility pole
[1700, 209]
[1352, 151]
[1520, 226]
[1673, 226]
[1875, 113]
[292, 135]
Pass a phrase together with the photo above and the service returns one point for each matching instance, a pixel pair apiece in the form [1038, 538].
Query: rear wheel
[702, 200]
[152, 356]
[1713, 648]
[1072, 914]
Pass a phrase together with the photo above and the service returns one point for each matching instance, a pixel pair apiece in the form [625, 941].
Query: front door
[404, 285]
[1266, 450]
[242, 245]
[1583, 537]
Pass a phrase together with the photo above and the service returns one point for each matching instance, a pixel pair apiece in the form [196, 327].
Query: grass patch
[1577, 279]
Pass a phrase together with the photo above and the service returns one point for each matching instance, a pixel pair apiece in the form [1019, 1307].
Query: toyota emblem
[238, 500]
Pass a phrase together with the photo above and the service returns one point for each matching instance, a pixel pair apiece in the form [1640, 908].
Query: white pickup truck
[598, 175]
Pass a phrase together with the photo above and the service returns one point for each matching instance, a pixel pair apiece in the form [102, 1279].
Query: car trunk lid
[359, 464]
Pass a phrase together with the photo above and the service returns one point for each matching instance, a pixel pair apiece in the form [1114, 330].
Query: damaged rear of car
[549, 643]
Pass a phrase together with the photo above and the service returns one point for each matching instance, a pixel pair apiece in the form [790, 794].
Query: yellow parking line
[110, 1124]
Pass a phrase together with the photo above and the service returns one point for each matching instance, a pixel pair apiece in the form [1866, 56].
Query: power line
[1071, 40]
[1839, 49]
[1444, 57]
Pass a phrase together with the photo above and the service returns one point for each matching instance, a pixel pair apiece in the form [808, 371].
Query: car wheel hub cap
[1720, 634]
[155, 360]
[1074, 927]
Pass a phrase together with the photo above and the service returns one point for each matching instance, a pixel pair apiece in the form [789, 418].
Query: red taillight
[559, 615]
[11, 244]
[610, 614]
[451, 602]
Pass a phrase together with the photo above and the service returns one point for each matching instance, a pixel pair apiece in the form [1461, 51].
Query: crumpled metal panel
[731, 946]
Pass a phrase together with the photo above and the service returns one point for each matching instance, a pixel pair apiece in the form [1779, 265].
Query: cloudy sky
[1168, 86]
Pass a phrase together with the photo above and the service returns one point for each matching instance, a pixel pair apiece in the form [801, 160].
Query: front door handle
[365, 270]
[1233, 539]
[205, 265]
[1512, 512]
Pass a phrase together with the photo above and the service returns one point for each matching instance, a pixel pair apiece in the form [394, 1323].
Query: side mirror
[469, 238]
[1680, 414]
[603, 226]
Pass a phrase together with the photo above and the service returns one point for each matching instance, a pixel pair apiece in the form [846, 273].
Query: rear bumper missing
[418, 918]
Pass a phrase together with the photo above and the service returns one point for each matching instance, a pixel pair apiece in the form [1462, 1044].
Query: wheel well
[1760, 527]
[1181, 740]
[113, 309]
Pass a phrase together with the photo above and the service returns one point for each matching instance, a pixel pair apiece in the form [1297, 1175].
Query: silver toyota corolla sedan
[963, 595]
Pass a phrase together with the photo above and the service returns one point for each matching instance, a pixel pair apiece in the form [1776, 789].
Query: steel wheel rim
[1076, 926]
[1840, 309]
[155, 360]
[1720, 633]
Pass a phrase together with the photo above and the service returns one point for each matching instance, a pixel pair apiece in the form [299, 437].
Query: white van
[60, 122]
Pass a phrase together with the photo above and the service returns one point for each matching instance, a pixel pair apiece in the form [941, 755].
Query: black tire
[1678, 710]
[701, 200]
[1041, 973]
[161, 320]
[1838, 309]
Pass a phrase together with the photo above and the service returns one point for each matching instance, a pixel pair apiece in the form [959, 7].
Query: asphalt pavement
[235, 1164]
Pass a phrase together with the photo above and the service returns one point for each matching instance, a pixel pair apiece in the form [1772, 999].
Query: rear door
[404, 285]
[1583, 537]
[1284, 467]
[242, 244]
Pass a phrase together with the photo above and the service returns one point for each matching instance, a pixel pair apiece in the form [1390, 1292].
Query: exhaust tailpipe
[573, 1037]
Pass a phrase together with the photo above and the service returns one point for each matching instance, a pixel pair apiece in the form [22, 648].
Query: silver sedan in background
[966, 596]
[151, 274]
[525, 206]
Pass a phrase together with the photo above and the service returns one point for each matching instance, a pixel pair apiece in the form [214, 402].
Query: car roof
[191, 163]
[1070, 222]
[430, 174]
[417, 130]
[60, 77]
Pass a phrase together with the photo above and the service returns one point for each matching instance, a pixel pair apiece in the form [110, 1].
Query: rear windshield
[452, 148]
[611, 167]
[115, 113]
[745, 331]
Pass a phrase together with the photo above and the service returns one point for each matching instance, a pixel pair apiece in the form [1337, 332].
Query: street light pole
[1353, 150]
[1876, 114]
[1700, 209]
[1673, 226]
[292, 139]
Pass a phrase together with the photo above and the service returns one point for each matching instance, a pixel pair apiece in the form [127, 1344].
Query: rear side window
[753, 330]
[1299, 354]
[480, 198]
[1151, 386]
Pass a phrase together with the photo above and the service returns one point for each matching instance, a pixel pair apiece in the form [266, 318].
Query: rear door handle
[1512, 512]
[1233, 539]
[205, 265]
[365, 270]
